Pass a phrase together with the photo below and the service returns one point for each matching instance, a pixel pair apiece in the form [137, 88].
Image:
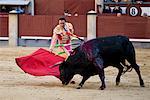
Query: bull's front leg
[98, 62]
[102, 77]
[120, 68]
[82, 82]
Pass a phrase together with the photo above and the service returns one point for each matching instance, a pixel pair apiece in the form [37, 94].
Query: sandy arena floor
[16, 85]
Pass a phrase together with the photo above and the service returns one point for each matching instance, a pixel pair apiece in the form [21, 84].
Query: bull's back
[113, 48]
[109, 43]
[112, 41]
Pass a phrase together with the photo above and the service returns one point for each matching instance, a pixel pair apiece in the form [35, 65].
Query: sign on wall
[134, 10]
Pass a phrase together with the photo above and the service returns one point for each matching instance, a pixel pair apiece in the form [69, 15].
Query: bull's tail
[127, 68]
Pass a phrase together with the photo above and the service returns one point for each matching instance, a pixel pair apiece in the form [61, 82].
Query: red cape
[40, 63]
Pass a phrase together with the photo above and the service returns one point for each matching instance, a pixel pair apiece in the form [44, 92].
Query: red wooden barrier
[43, 25]
[3, 25]
[133, 27]
[57, 7]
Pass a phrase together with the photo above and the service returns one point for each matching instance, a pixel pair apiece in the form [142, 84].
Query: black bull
[93, 56]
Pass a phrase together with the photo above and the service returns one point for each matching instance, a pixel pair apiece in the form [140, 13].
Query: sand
[17, 85]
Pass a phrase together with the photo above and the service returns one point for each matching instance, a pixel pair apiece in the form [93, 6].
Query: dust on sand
[17, 85]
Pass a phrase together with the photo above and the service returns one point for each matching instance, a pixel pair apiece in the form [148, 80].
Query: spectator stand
[142, 7]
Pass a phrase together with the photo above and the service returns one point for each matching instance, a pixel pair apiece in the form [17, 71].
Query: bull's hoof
[102, 87]
[79, 87]
[142, 85]
[117, 83]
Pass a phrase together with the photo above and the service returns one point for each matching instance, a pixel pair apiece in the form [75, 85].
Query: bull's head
[71, 66]
[66, 73]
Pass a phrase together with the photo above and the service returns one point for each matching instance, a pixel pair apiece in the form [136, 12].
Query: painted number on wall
[133, 11]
